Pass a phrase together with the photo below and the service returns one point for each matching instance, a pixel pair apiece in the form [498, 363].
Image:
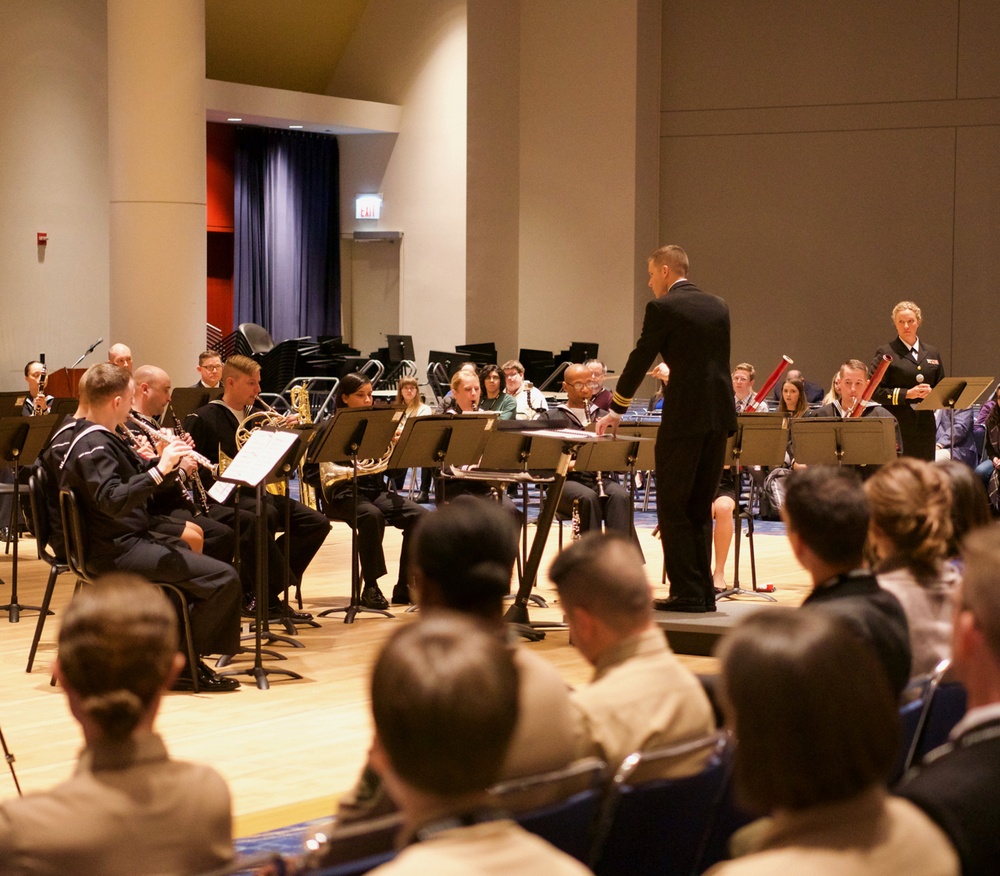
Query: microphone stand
[88, 351]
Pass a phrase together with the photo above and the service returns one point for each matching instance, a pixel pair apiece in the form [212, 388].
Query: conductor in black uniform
[916, 368]
[690, 330]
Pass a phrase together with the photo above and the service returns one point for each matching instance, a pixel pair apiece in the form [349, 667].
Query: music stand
[568, 441]
[11, 403]
[264, 456]
[353, 434]
[21, 440]
[954, 394]
[836, 441]
[618, 455]
[759, 440]
[646, 461]
[400, 348]
[187, 399]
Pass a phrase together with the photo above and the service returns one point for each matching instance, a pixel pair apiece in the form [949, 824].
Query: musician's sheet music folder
[254, 463]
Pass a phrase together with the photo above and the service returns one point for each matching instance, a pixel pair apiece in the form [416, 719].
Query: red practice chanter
[859, 405]
[768, 385]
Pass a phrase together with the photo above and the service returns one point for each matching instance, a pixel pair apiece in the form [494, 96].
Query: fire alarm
[43, 238]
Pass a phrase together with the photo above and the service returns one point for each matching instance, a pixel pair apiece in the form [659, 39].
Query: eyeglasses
[580, 387]
[212, 367]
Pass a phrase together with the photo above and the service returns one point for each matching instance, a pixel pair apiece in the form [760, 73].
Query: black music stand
[618, 455]
[12, 403]
[759, 440]
[353, 434]
[836, 441]
[186, 399]
[440, 440]
[954, 394]
[266, 455]
[568, 442]
[646, 461]
[21, 440]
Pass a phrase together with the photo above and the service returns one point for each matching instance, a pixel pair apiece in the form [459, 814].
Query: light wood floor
[289, 751]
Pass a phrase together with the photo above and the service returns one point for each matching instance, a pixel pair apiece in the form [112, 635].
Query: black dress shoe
[209, 681]
[682, 603]
[401, 595]
[281, 612]
[423, 498]
[372, 597]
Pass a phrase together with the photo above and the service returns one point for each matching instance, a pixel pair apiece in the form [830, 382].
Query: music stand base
[532, 597]
[15, 609]
[260, 674]
[226, 659]
[739, 591]
[352, 611]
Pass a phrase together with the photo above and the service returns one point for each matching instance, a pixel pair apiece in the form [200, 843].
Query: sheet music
[255, 461]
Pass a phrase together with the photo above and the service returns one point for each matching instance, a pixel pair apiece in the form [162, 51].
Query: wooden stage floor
[289, 751]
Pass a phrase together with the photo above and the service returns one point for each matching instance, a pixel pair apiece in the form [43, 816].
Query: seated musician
[596, 496]
[113, 495]
[376, 507]
[493, 396]
[192, 502]
[120, 355]
[530, 401]
[213, 429]
[602, 395]
[848, 386]
[743, 392]
[36, 402]
[209, 369]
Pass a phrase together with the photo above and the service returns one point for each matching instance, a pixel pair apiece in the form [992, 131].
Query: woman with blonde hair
[910, 533]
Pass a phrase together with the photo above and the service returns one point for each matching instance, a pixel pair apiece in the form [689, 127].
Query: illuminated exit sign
[368, 206]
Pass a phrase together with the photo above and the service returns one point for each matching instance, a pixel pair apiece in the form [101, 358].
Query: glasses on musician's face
[580, 387]
[211, 367]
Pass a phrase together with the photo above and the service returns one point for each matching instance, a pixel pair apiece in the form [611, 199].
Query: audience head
[811, 708]
[491, 381]
[407, 393]
[970, 507]
[465, 390]
[354, 391]
[463, 556]
[210, 367]
[444, 674]
[117, 653]
[976, 633]
[603, 589]
[240, 381]
[152, 390]
[826, 511]
[793, 397]
[910, 505]
[119, 354]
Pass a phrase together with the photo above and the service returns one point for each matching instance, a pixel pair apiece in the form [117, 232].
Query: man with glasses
[596, 495]
[209, 369]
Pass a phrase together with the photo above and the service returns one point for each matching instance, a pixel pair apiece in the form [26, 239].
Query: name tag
[933, 361]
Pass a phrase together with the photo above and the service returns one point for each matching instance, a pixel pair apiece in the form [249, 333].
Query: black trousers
[374, 512]
[688, 469]
[615, 510]
[212, 586]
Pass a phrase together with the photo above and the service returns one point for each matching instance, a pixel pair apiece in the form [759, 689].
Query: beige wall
[53, 178]
[821, 166]
[411, 53]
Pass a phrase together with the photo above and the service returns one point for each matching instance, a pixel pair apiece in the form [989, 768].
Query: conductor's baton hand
[608, 423]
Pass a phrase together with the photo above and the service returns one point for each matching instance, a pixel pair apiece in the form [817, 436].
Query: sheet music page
[255, 461]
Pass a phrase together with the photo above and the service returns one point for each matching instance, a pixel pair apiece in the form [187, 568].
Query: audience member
[989, 469]
[969, 507]
[462, 558]
[641, 696]
[826, 518]
[910, 531]
[817, 733]
[957, 784]
[448, 672]
[958, 443]
[129, 809]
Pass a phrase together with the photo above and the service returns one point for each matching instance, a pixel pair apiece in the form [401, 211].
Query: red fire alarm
[43, 238]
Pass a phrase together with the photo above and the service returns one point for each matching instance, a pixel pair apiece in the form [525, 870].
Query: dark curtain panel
[287, 235]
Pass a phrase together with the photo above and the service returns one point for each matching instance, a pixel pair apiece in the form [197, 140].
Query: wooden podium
[64, 383]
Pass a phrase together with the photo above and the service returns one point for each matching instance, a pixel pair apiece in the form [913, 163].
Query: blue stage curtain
[287, 233]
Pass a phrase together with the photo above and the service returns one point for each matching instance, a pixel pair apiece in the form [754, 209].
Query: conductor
[690, 330]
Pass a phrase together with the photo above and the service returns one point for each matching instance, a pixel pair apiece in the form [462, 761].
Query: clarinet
[197, 499]
[41, 407]
[203, 462]
[600, 479]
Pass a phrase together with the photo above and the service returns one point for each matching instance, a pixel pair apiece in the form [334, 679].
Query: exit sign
[368, 206]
